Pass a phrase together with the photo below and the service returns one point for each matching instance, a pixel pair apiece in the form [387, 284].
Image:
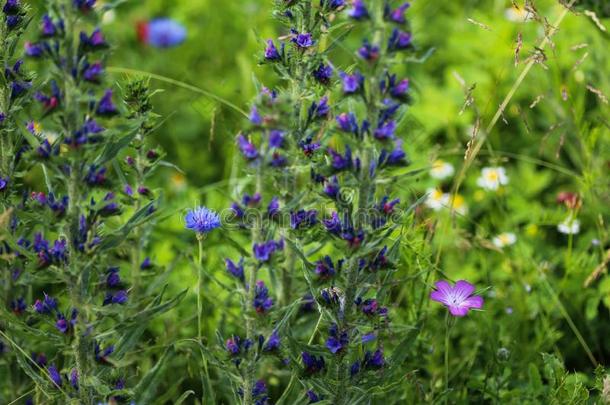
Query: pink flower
[458, 298]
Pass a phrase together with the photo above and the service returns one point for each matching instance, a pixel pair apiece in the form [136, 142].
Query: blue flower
[46, 306]
[358, 10]
[202, 220]
[274, 207]
[236, 270]
[74, 378]
[33, 50]
[395, 157]
[247, 148]
[48, 28]
[313, 397]
[308, 146]
[276, 138]
[302, 40]
[320, 109]
[120, 297]
[262, 303]
[352, 83]
[368, 51]
[84, 5]
[18, 306]
[162, 33]
[312, 363]
[259, 390]
[397, 15]
[331, 187]
[332, 4]
[385, 130]
[337, 341]
[11, 7]
[340, 162]
[101, 355]
[303, 219]
[271, 52]
[146, 264]
[92, 42]
[106, 107]
[273, 342]
[399, 40]
[255, 118]
[373, 360]
[113, 279]
[323, 73]
[325, 268]
[54, 375]
[93, 72]
[348, 122]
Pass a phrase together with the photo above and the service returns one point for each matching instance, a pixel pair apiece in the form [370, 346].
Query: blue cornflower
[302, 40]
[323, 73]
[303, 219]
[312, 363]
[202, 220]
[352, 83]
[106, 107]
[248, 149]
[358, 10]
[271, 52]
[399, 40]
[162, 33]
[236, 270]
[262, 302]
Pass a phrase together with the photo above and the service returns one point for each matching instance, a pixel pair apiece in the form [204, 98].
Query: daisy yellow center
[458, 201]
[492, 175]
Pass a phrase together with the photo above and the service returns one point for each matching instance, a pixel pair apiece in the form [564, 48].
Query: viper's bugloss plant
[76, 211]
[322, 148]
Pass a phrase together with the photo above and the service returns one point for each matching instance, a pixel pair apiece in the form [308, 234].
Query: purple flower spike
[262, 303]
[458, 298]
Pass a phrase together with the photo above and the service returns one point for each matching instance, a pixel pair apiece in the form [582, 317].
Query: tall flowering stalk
[77, 212]
[327, 144]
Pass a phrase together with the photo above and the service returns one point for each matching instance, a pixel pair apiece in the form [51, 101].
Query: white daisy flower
[492, 178]
[436, 199]
[570, 226]
[441, 170]
[504, 239]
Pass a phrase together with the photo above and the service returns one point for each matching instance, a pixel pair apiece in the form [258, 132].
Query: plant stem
[200, 237]
[447, 332]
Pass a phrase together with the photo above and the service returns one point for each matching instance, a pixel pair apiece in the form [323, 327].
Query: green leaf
[146, 390]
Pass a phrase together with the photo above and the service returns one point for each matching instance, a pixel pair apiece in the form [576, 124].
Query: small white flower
[436, 199]
[441, 170]
[108, 17]
[504, 239]
[517, 14]
[458, 204]
[570, 226]
[492, 178]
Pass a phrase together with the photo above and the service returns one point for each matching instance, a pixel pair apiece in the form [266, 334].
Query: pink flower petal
[463, 289]
[439, 296]
[443, 286]
[474, 302]
[458, 311]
